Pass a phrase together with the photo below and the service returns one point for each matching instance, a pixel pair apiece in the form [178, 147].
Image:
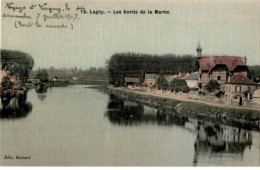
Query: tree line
[122, 65]
[68, 73]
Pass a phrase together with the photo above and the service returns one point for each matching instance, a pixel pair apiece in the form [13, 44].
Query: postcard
[130, 83]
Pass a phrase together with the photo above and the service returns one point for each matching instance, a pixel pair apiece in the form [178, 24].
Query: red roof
[181, 75]
[131, 79]
[240, 79]
[231, 62]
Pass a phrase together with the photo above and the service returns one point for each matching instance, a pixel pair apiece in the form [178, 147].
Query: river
[83, 126]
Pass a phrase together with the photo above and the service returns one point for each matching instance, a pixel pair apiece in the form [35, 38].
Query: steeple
[199, 50]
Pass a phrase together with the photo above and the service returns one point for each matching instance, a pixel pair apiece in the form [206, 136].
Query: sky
[221, 27]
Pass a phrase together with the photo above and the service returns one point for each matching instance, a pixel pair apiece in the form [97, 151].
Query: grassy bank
[246, 118]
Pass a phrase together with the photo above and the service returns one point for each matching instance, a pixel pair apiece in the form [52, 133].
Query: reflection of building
[215, 140]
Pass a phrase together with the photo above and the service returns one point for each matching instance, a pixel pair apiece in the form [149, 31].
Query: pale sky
[223, 28]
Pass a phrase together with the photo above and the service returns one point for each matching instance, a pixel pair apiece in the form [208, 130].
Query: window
[218, 78]
[238, 89]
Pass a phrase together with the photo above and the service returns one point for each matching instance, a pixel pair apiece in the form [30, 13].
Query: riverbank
[248, 118]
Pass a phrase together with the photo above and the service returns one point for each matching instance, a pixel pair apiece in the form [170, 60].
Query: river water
[83, 126]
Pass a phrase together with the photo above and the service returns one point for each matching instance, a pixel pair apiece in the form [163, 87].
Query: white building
[192, 80]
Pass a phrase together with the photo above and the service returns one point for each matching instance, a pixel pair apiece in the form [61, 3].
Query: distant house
[238, 89]
[33, 80]
[192, 80]
[75, 78]
[180, 75]
[131, 81]
[150, 80]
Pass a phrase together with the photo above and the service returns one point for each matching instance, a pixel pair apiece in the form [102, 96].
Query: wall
[204, 78]
[2, 74]
[192, 83]
[150, 82]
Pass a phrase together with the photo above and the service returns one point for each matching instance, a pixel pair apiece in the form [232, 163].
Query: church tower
[199, 55]
[199, 51]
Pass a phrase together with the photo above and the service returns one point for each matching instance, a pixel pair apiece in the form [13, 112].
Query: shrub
[162, 83]
[179, 85]
[42, 75]
[212, 86]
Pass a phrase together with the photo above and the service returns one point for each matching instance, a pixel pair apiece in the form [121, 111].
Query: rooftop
[192, 76]
[240, 79]
[151, 76]
[231, 62]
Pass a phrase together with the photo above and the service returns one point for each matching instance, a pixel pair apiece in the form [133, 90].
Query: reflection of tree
[17, 107]
[41, 91]
[129, 113]
[220, 140]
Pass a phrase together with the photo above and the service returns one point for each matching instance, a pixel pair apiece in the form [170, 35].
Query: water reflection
[131, 113]
[16, 107]
[41, 91]
[215, 140]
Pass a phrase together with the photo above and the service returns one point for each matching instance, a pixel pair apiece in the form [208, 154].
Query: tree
[212, 86]
[179, 85]
[42, 75]
[18, 63]
[123, 65]
[162, 83]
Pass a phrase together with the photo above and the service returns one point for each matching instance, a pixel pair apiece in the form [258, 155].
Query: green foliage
[67, 73]
[18, 63]
[42, 75]
[6, 83]
[254, 73]
[162, 83]
[16, 57]
[123, 65]
[179, 85]
[212, 86]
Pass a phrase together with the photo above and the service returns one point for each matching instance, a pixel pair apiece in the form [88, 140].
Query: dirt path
[184, 97]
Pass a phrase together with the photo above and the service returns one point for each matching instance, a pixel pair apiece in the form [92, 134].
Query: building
[131, 81]
[180, 75]
[13, 79]
[34, 81]
[2, 75]
[220, 68]
[239, 89]
[256, 97]
[150, 80]
[192, 80]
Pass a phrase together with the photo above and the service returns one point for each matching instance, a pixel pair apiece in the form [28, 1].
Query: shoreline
[185, 99]
[248, 118]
